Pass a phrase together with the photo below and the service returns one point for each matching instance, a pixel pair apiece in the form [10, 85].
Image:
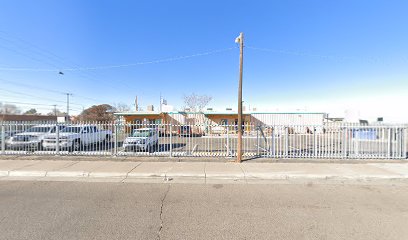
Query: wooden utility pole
[240, 40]
[68, 94]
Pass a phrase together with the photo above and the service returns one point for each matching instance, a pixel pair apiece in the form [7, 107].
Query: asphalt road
[78, 210]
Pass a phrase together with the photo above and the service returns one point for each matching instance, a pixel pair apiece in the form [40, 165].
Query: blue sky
[332, 56]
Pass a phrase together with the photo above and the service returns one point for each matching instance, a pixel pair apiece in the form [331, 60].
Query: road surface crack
[161, 213]
[205, 173]
[243, 171]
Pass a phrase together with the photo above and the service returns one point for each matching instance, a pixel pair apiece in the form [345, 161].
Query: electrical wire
[47, 54]
[34, 96]
[297, 53]
[33, 104]
[171, 59]
[37, 104]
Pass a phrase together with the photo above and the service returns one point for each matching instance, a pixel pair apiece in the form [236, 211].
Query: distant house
[203, 120]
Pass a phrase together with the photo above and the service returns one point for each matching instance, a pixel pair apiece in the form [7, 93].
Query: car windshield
[39, 129]
[72, 129]
[140, 133]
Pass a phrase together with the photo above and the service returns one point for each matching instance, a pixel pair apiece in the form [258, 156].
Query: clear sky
[317, 55]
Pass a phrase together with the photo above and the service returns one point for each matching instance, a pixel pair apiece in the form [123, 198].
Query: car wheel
[149, 148]
[76, 145]
[107, 139]
[40, 146]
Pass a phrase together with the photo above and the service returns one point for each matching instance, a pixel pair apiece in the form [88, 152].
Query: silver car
[142, 139]
[32, 138]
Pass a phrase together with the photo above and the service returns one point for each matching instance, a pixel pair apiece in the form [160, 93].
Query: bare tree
[121, 107]
[9, 109]
[57, 112]
[196, 102]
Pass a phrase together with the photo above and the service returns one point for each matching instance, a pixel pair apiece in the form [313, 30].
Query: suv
[32, 138]
[7, 136]
[144, 139]
[76, 137]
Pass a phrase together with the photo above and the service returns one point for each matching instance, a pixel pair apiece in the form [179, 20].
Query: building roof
[208, 113]
[225, 113]
[24, 117]
[144, 113]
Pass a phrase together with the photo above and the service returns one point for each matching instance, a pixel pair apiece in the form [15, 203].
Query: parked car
[7, 136]
[32, 138]
[185, 131]
[219, 130]
[75, 137]
[144, 139]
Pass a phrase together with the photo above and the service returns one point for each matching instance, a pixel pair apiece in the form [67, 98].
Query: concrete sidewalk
[199, 172]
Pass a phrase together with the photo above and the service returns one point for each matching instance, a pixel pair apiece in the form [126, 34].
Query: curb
[168, 177]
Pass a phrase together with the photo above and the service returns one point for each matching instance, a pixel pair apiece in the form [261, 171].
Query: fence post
[57, 149]
[3, 139]
[115, 144]
[344, 142]
[272, 151]
[171, 141]
[405, 142]
[314, 142]
[399, 142]
[228, 148]
[389, 142]
[287, 142]
[257, 140]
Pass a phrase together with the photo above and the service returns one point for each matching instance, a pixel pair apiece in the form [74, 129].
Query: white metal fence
[278, 141]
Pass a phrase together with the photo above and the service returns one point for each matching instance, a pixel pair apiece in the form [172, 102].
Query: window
[141, 133]
[39, 129]
[72, 129]
[87, 130]
[53, 130]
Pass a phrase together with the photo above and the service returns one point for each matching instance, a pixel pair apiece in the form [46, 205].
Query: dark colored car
[185, 131]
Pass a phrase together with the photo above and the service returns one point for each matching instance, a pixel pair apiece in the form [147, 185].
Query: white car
[76, 137]
[32, 138]
[144, 139]
[219, 130]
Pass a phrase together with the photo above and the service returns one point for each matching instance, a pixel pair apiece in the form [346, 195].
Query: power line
[171, 59]
[30, 104]
[34, 96]
[298, 53]
[42, 106]
[44, 89]
[31, 86]
[47, 55]
[79, 69]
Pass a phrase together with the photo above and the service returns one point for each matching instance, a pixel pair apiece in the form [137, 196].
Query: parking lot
[164, 140]
[225, 146]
